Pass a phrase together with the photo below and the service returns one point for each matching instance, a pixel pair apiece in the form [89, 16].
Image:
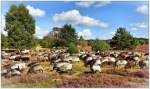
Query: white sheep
[12, 57]
[95, 67]
[25, 51]
[35, 68]
[147, 63]
[75, 59]
[13, 73]
[121, 63]
[89, 59]
[67, 59]
[62, 66]
[19, 66]
[108, 59]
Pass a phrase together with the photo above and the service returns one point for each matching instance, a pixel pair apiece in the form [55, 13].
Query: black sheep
[142, 64]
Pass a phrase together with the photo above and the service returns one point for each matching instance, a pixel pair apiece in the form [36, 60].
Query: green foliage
[141, 41]
[4, 41]
[47, 42]
[99, 45]
[134, 43]
[20, 26]
[82, 42]
[123, 40]
[72, 48]
[68, 35]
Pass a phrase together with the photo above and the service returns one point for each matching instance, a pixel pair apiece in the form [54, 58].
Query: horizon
[85, 18]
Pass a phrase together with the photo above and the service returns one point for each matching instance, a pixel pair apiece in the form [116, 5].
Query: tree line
[20, 26]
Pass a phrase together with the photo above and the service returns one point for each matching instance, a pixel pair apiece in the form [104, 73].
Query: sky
[92, 19]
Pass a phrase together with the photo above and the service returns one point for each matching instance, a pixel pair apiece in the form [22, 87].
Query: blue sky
[90, 19]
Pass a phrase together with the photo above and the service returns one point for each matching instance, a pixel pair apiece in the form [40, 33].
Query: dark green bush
[72, 48]
[99, 45]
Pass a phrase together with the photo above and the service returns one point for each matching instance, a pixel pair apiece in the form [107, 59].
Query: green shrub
[72, 48]
[99, 45]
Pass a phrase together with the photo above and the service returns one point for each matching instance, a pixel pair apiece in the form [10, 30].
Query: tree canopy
[68, 35]
[72, 48]
[47, 42]
[99, 45]
[123, 39]
[4, 41]
[20, 26]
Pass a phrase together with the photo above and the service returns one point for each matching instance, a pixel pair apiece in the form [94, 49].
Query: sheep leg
[70, 71]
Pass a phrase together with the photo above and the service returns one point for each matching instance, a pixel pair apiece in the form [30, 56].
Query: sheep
[137, 53]
[57, 60]
[19, 66]
[120, 63]
[52, 58]
[108, 59]
[32, 63]
[146, 56]
[5, 55]
[83, 56]
[35, 68]
[114, 54]
[62, 67]
[75, 59]
[147, 63]
[25, 51]
[87, 61]
[12, 57]
[130, 64]
[89, 58]
[68, 59]
[71, 59]
[143, 63]
[98, 61]
[13, 72]
[22, 58]
[95, 65]
[4, 72]
[66, 55]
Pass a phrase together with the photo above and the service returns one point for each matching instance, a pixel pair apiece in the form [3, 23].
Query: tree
[20, 26]
[72, 48]
[134, 43]
[82, 42]
[122, 39]
[141, 41]
[47, 42]
[99, 45]
[68, 35]
[4, 41]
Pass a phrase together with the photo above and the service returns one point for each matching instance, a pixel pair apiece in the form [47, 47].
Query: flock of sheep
[63, 61]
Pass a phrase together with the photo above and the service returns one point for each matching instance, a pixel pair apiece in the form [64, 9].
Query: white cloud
[102, 3]
[112, 33]
[35, 11]
[86, 33]
[143, 9]
[85, 3]
[2, 21]
[76, 18]
[40, 33]
[92, 3]
[138, 26]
